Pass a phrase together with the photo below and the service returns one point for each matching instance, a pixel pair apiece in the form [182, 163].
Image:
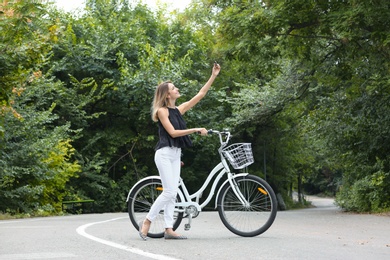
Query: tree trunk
[300, 195]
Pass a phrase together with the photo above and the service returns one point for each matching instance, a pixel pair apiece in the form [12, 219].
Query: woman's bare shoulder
[162, 111]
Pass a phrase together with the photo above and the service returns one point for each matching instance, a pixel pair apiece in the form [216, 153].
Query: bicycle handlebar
[224, 132]
[221, 134]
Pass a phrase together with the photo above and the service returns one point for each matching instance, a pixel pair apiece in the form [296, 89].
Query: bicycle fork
[237, 191]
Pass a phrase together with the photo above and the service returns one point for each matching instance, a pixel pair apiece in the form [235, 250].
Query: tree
[36, 154]
[124, 52]
[340, 54]
[22, 45]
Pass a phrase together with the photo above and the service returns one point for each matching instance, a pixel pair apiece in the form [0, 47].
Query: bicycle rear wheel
[141, 199]
[252, 219]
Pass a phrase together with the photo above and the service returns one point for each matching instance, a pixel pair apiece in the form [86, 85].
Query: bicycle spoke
[253, 218]
[141, 199]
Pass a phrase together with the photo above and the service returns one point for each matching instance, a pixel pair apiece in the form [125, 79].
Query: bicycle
[246, 203]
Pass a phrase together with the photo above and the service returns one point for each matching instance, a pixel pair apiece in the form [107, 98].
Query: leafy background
[306, 82]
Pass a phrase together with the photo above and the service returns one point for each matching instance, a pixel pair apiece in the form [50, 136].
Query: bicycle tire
[141, 199]
[251, 220]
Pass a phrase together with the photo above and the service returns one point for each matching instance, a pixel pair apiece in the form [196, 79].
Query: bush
[369, 194]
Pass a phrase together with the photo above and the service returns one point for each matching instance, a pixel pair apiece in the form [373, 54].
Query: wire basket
[239, 155]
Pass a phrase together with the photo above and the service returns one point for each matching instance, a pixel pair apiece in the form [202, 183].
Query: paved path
[323, 232]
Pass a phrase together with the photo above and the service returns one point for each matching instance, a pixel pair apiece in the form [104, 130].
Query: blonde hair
[160, 99]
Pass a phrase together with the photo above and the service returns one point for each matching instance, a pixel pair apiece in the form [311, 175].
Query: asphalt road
[323, 232]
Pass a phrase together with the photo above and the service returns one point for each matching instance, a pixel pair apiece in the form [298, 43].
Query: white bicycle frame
[188, 201]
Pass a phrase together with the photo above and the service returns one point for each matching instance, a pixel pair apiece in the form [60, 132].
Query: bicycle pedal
[187, 227]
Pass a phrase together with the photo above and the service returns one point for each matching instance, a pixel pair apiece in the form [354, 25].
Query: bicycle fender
[146, 178]
[223, 184]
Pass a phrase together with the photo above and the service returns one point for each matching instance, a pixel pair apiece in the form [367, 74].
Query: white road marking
[81, 231]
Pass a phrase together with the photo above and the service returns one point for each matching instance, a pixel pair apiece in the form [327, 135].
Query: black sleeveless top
[179, 124]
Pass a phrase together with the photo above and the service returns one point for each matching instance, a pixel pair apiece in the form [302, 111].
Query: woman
[173, 135]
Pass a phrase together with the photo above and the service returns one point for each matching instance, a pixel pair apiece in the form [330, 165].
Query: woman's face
[173, 92]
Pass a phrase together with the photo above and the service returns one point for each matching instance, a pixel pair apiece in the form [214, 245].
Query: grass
[39, 213]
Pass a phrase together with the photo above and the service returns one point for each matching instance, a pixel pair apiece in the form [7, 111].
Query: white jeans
[167, 160]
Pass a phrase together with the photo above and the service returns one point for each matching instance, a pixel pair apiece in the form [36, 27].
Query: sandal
[168, 236]
[142, 235]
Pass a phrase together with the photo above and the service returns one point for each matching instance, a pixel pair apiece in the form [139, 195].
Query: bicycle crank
[192, 210]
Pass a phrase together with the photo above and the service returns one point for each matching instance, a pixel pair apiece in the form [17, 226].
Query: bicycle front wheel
[257, 215]
[141, 199]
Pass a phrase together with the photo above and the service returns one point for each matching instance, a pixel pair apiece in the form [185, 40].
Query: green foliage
[323, 181]
[60, 169]
[306, 82]
[35, 154]
[124, 53]
[369, 193]
[338, 53]
[36, 158]
[23, 47]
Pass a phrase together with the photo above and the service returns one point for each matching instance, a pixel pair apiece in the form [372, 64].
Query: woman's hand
[202, 131]
[184, 107]
[216, 69]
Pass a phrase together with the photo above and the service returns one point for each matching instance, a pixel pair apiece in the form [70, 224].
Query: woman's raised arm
[202, 92]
